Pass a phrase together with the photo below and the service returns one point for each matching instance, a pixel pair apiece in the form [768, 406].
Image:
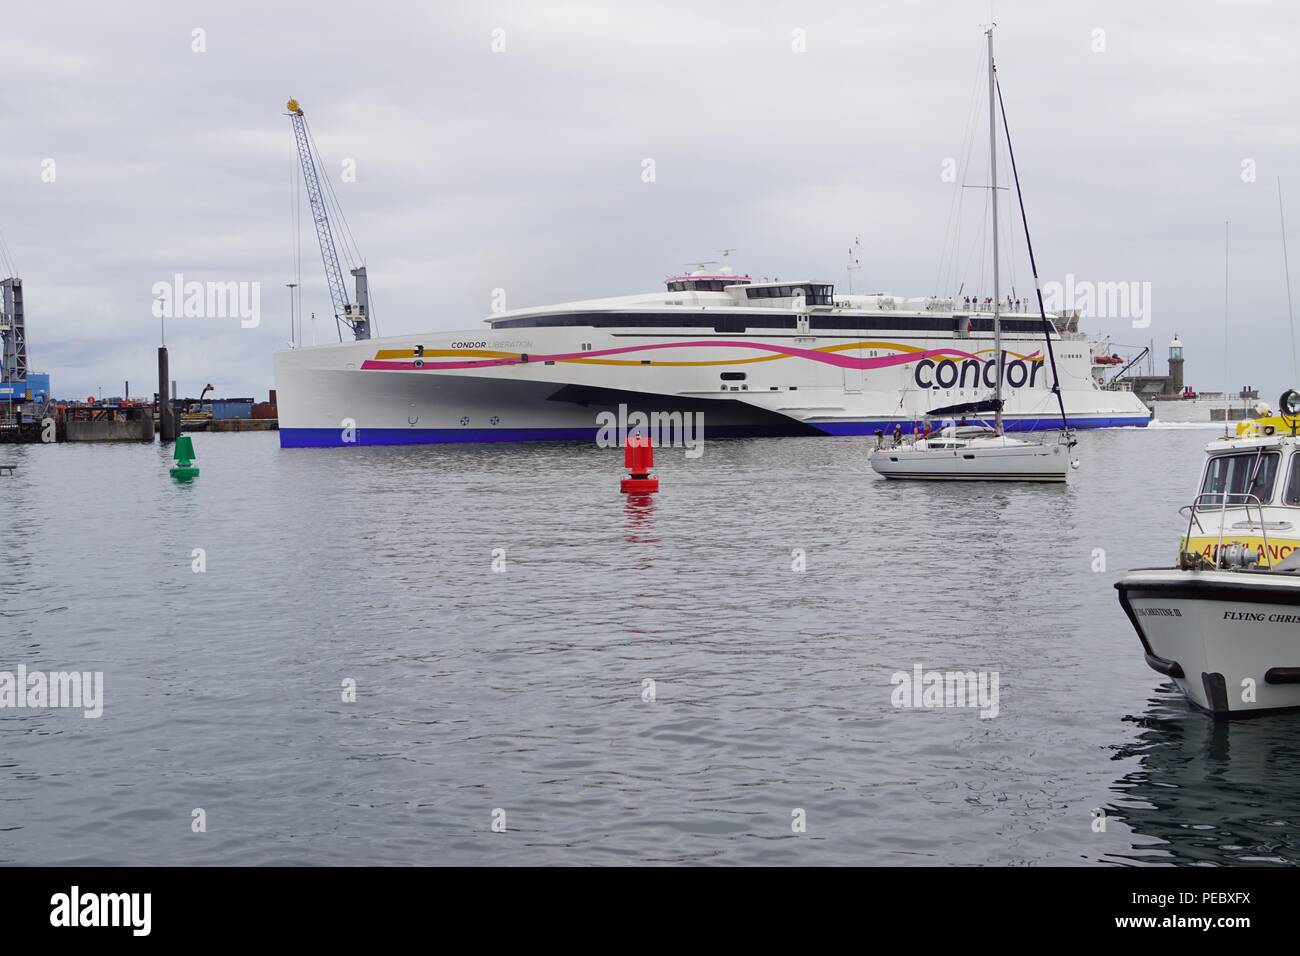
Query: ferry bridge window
[813, 294]
[1238, 476]
[700, 285]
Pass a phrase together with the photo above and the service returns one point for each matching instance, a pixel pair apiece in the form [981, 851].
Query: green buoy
[184, 455]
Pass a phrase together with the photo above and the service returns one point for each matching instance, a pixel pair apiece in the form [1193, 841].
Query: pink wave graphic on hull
[829, 358]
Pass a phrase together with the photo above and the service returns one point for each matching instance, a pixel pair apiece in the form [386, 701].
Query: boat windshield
[1291, 490]
[1240, 477]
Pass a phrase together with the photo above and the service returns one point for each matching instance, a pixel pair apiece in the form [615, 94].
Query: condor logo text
[972, 373]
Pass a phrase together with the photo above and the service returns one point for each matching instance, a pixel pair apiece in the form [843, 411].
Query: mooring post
[166, 421]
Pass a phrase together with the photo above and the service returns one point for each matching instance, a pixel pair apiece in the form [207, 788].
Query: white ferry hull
[551, 383]
[1229, 639]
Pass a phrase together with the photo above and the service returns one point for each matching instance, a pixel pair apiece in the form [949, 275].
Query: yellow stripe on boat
[1278, 547]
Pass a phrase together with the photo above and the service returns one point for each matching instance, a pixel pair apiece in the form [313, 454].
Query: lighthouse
[1176, 366]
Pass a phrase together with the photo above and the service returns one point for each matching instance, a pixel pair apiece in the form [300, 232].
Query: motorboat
[1224, 623]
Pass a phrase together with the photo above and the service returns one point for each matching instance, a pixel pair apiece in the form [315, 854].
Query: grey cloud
[521, 170]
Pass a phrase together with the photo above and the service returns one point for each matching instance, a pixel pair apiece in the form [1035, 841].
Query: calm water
[523, 690]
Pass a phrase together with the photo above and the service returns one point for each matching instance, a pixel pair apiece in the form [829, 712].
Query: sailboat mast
[993, 179]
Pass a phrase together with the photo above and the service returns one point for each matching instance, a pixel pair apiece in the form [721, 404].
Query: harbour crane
[356, 316]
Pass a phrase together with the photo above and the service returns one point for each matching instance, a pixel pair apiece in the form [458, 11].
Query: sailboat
[958, 451]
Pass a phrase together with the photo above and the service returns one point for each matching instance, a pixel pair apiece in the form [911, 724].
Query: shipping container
[230, 408]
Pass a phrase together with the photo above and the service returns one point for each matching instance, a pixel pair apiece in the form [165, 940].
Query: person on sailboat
[898, 433]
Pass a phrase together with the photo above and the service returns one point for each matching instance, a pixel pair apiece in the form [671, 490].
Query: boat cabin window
[1291, 491]
[1239, 477]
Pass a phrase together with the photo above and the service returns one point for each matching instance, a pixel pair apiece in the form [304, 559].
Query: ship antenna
[1286, 268]
[1226, 386]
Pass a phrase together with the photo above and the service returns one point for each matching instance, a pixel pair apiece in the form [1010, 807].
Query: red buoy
[639, 458]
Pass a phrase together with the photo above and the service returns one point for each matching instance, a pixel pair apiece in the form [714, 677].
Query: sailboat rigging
[1033, 267]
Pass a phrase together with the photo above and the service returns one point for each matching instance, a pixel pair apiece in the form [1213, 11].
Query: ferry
[747, 357]
[1224, 624]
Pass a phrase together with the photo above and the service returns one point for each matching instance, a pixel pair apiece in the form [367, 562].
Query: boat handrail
[1191, 509]
[1241, 500]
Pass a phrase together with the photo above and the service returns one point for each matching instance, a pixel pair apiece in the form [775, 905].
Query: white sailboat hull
[990, 459]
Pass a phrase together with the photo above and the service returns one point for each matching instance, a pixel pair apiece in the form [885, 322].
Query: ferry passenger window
[1238, 476]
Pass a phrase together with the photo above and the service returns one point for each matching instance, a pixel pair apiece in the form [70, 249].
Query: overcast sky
[522, 169]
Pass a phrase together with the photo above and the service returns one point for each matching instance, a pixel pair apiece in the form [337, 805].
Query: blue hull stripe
[332, 437]
[1008, 424]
